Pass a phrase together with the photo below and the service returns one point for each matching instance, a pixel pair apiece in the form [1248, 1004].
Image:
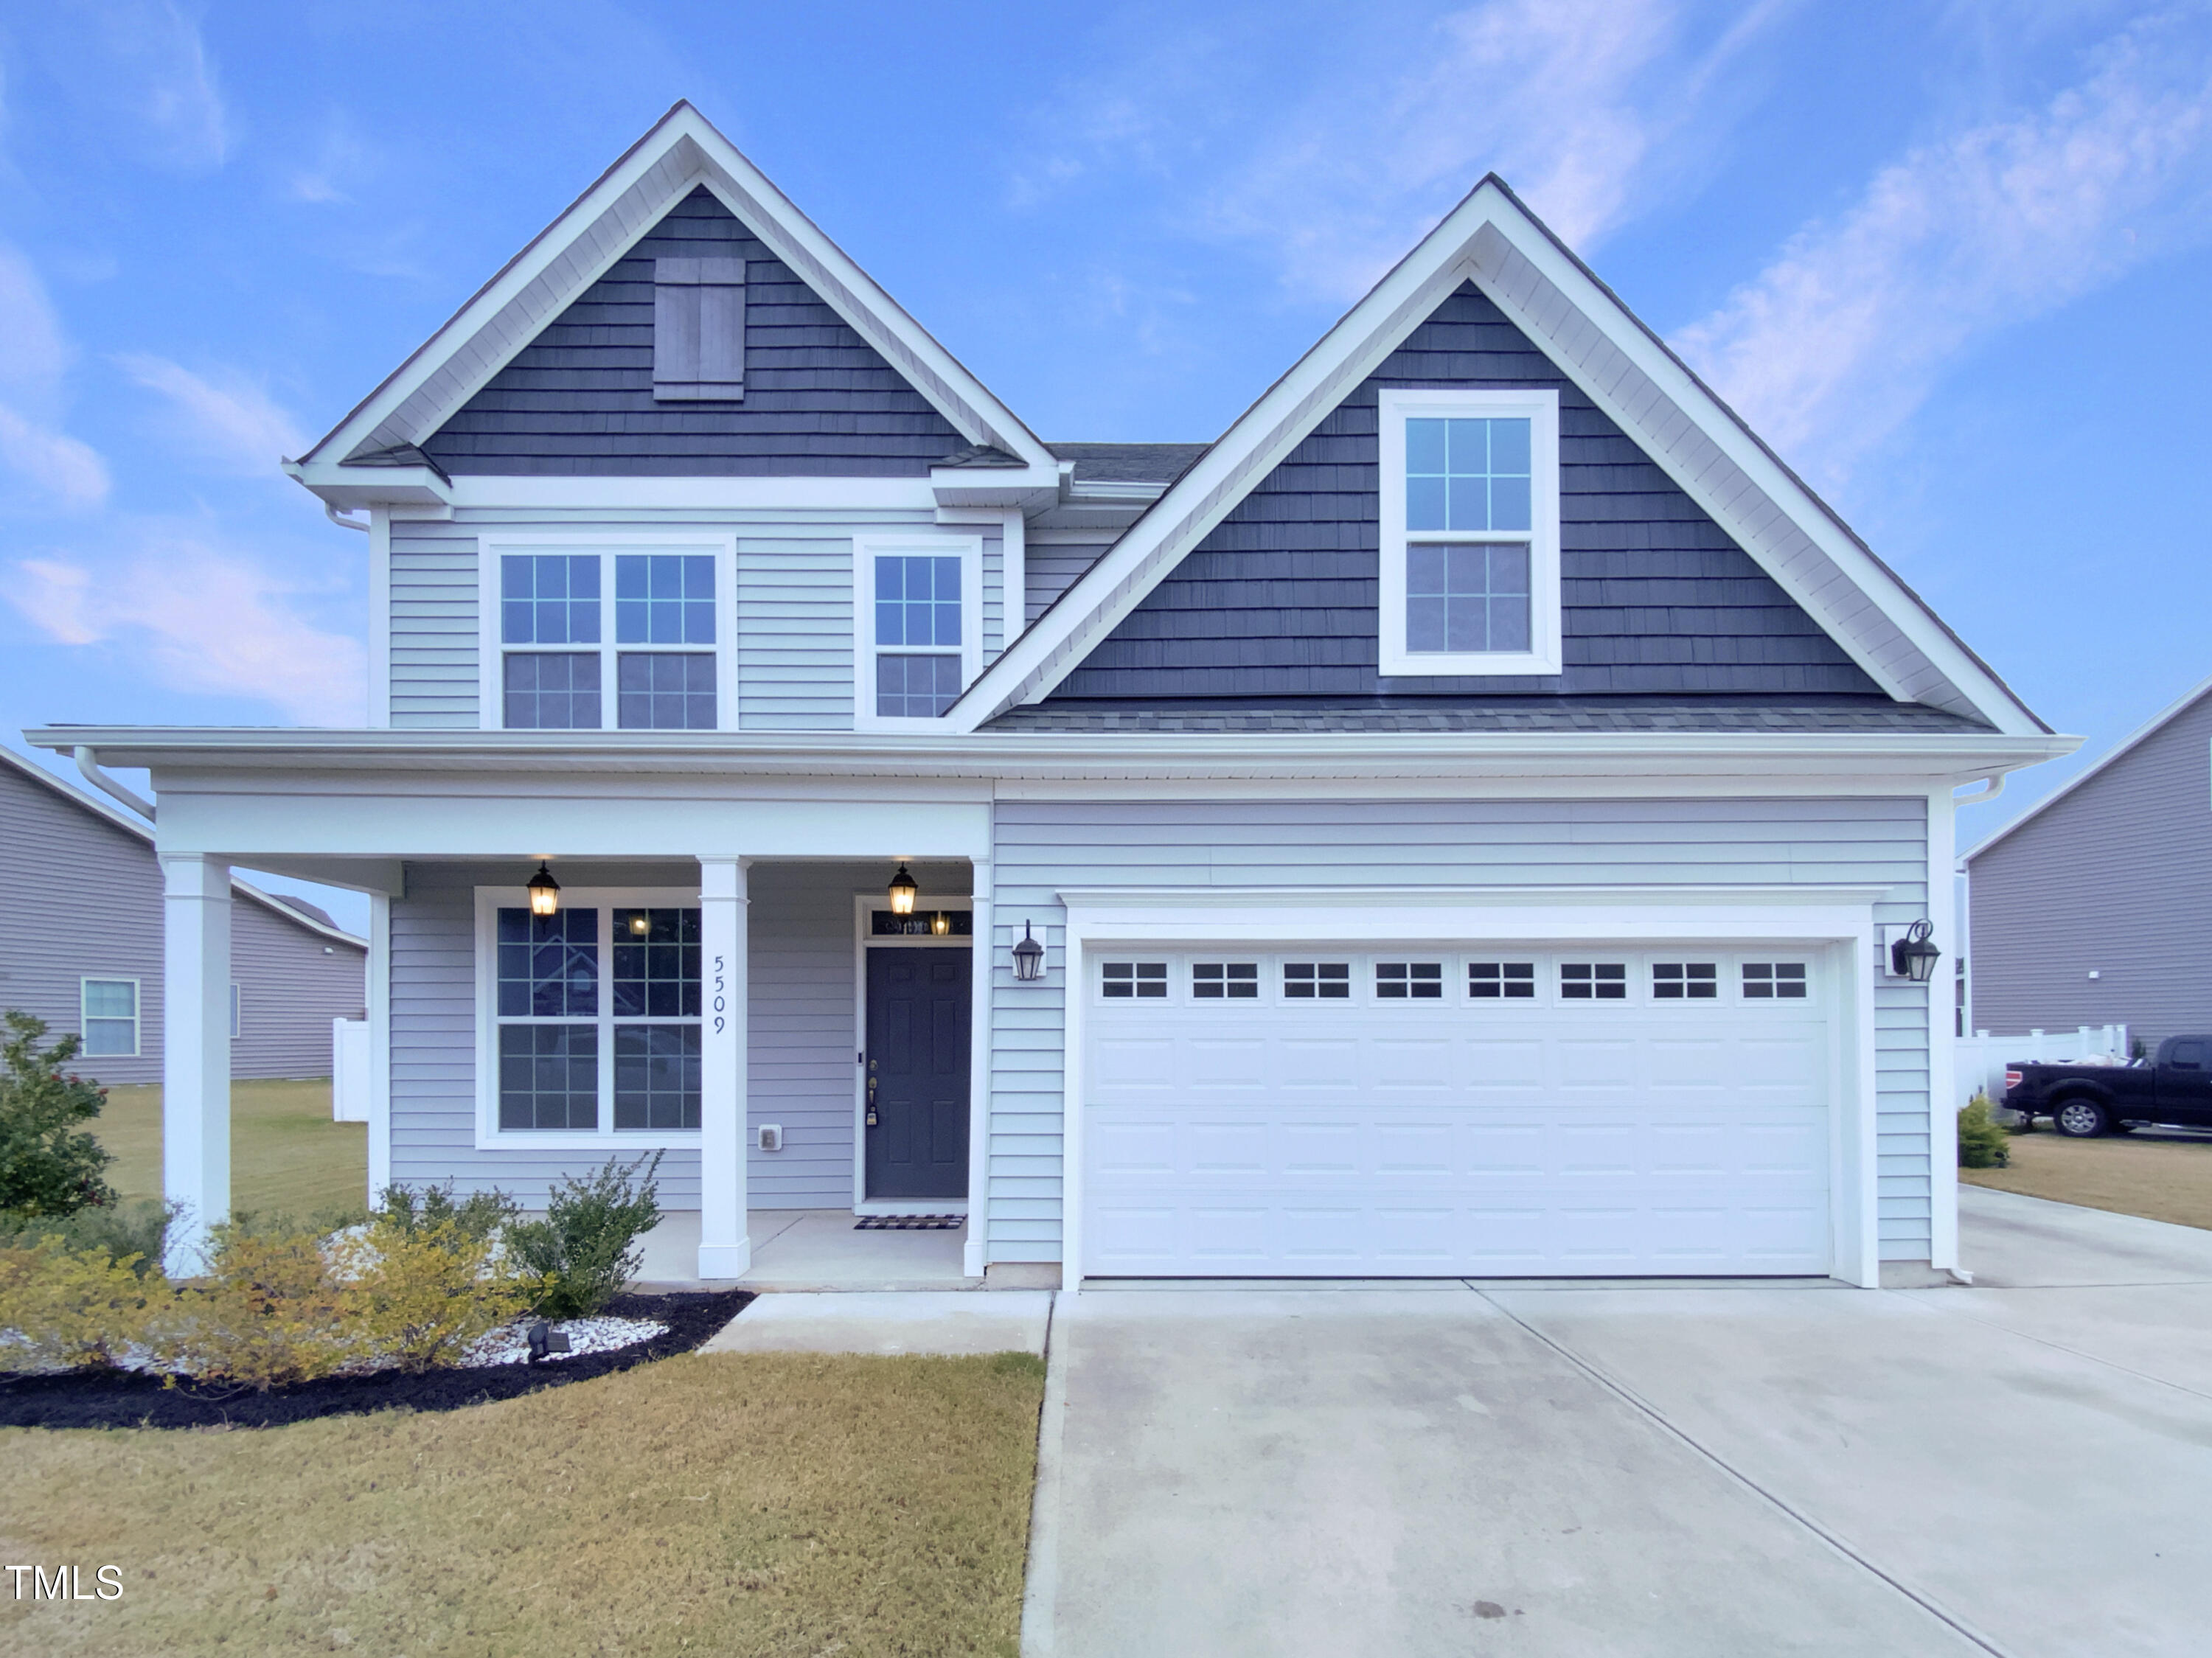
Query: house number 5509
[720, 984]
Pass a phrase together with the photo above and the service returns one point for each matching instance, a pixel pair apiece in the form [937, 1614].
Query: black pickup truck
[2081, 1099]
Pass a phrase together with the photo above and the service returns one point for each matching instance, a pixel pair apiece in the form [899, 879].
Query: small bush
[75, 1307]
[270, 1311]
[48, 1164]
[139, 1229]
[480, 1216]
[586, 1249]
[1982, 1143]
[415, 1295]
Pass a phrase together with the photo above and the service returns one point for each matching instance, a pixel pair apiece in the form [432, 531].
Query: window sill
[1466, 665]
[562, 1139]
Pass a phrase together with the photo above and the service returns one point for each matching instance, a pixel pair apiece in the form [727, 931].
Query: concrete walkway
[2016, 1468]
[918, 1322]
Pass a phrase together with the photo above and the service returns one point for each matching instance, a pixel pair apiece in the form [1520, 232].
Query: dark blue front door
[916, 1071]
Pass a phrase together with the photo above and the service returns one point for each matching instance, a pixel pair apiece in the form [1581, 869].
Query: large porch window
[594, 1015]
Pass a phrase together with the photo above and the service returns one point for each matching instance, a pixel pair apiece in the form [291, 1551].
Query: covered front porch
[805, 1048]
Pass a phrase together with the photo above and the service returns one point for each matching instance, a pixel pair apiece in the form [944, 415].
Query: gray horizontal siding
[2115, 878]
[1050, 570]
[795, 635]
[81, 897]
[799, 1071]
[434, 631]
[1279, 600]
[1043, 848]
[819, 401]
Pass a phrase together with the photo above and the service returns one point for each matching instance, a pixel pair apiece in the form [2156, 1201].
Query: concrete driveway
[2022, 1468]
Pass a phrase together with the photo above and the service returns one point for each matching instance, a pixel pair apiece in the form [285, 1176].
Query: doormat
[909, 1223]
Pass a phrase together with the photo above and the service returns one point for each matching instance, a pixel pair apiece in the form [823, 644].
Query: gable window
[920, 633]
[594, 1015]
[594, 642]
[698, 330]
[1469, 532]
[109, 1008]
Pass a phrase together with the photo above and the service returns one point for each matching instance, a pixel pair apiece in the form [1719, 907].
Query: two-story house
[1461, 813]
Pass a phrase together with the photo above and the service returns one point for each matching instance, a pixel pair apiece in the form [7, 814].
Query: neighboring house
[2094, 908]
[1463, 808]
[81, 942]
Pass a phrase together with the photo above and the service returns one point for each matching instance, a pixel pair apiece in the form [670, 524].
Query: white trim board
[1839, 920]
[1492, 239]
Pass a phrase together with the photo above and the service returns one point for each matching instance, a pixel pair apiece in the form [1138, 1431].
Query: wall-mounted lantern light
[545, 892]
[1028, 959]
[903, 890]
[1912, 956]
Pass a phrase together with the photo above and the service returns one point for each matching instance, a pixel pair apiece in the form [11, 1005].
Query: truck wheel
[2081, 1120]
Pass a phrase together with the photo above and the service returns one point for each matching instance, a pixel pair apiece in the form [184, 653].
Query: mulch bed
[111, 1398]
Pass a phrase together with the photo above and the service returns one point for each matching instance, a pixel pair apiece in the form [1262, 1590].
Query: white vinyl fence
[1983, 1058]
[349, 1071]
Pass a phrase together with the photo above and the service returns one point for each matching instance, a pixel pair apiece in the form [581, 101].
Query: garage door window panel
[1215, 981]
[1769, 981]
[1685, 982]
[1326, 981]
[1493, 981]
[1594, 981]
[1130, 980]
[1417, 981]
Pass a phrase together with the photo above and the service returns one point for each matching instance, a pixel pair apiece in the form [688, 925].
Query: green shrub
[480, 1216]
[48, 1165]
[116, 1229]
[73, 1307]
[587, 1248]
[1982, 1143]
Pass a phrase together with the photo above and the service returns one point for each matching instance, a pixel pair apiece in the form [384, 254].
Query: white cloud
[205, 620]
[143, 64]
[72, 472]
[1838, 342]
[1585, 106]
[32, 347]
[234, 423]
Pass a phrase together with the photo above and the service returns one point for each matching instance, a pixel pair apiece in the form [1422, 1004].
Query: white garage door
[1498, 1112]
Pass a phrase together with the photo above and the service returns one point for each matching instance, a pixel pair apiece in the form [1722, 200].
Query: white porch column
[379, 1045]
[1943, 1102]
[195, 1051]
[725, 1249]
[974, 1253]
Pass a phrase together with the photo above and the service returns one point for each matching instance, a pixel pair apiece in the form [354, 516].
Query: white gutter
[88, 763]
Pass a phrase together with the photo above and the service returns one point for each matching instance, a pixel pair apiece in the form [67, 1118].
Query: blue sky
[1951, 259]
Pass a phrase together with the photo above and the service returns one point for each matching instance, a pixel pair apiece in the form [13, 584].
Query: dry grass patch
[756, 1503]
[2159, 1180]
[285, 1152]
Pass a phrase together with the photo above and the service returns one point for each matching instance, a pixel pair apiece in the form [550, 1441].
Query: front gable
[817, 400]
[1279, 600]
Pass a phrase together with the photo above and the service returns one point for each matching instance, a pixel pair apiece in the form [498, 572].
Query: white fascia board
[682, 152]
[1367, 334]
[2135, 739]
[1636, 759]
[495, 493]
[350, 487]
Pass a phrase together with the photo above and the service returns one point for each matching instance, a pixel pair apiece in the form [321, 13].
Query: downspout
[88, 764]
[331, 513]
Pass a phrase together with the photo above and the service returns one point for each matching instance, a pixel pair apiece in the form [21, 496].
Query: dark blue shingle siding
[1279, 600]
[819, 400]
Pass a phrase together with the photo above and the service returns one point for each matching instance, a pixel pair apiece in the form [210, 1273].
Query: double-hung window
[919, 625]
[593, 1016]
[109, 1008]
[608, 640]
[1469, 532]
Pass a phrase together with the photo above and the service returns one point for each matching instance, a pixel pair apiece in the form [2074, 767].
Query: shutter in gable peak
[698, 329]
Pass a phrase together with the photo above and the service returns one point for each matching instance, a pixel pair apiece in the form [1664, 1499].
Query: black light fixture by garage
[1028, 959]
[1912, 956]
[545, 892]
[902, 891]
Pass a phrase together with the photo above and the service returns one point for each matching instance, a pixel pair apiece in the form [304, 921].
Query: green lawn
[285, 1152]
[730, 1503]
